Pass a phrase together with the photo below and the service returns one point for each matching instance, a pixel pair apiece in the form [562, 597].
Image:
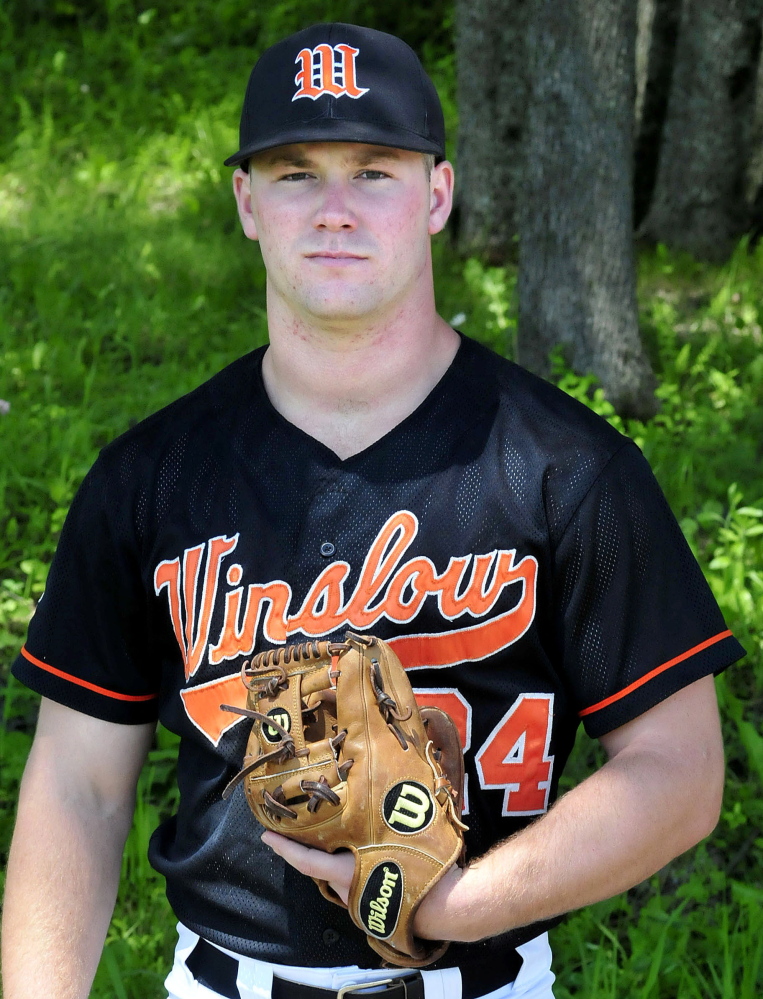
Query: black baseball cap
[340, 83]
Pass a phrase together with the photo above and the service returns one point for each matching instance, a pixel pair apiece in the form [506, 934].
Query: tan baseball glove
[341, 757]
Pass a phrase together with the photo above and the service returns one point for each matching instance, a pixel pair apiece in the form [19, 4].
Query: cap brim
[340, 130]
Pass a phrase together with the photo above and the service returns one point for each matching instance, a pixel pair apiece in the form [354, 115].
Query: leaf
[753, 743]
[746, 893]
[114, 973]
[659, 950]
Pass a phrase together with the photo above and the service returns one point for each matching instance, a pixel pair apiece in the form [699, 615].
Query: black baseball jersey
[511, 545]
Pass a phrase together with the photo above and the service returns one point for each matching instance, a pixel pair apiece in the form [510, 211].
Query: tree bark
[754, 185]
[655, 54]
[492, 97]
[700, 201]
[577, 271]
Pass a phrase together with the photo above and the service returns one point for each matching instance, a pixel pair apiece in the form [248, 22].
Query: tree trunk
[492, 96]
[577, 273]
[655, 53]
[700, 201]
[754, 185]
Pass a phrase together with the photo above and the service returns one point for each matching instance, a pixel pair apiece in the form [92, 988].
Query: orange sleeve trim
[84, 683]
[655, 672]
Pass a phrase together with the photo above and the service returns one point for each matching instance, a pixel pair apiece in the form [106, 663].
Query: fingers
[305, 859]
[336, 868]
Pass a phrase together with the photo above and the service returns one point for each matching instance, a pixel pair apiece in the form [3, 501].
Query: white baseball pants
[255, 977]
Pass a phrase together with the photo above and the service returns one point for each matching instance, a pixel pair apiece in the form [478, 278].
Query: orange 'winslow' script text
[386, 588]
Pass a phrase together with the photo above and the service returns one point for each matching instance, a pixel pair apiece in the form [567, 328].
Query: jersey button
[327, 549]
[330, 937]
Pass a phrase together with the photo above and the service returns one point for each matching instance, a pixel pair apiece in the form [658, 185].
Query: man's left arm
[657, 796]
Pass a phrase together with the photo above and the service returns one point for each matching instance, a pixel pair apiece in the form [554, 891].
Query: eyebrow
[287, 159]
[378, 153]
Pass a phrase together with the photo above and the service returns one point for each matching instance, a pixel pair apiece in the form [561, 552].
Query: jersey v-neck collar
[461, 393]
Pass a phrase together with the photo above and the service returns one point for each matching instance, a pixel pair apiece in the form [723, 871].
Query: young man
[371, 469]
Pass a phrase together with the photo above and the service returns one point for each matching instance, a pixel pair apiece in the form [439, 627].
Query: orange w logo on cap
[327, 69]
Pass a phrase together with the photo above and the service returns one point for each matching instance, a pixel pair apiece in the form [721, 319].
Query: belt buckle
[347, 989]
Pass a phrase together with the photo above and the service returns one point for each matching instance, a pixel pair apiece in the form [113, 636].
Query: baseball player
[370, 469]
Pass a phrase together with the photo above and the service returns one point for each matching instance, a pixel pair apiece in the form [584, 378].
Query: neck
[348, 384]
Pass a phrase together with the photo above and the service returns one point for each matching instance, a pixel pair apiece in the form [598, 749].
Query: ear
[440, 196]
[243, 195]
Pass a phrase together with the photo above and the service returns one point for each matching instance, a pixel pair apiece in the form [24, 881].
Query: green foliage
[705, 940]
[492, 318]
[126, 283]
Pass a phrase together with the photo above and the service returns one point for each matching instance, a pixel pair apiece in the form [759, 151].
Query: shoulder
[547, 439]
[192, 424]
[535, 407]
[179, 461]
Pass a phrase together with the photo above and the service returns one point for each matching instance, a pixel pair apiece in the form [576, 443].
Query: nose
[334, 212]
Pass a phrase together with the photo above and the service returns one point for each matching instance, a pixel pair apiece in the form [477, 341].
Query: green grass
[126, 282]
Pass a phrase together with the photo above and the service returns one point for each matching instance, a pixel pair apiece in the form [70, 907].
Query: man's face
[344, 227]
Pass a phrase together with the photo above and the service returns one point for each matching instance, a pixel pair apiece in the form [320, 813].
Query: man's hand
[338, 869]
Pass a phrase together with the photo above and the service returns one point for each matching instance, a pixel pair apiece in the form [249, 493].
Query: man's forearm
[75, 808]
[608, 834]
[63, 874]
[658, 795]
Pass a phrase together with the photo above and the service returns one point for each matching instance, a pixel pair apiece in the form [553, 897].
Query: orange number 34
[515, 755]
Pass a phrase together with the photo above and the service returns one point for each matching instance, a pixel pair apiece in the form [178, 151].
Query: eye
[373, 174]
[296, 176]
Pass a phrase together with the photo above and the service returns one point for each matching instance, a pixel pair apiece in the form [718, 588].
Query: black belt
[218, 971]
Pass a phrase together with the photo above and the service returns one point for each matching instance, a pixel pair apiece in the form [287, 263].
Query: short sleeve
[88, 645]
[637, 620]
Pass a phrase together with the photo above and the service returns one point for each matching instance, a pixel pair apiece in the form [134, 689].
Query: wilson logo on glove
[380, 902]
[408, 807]
[280, 717]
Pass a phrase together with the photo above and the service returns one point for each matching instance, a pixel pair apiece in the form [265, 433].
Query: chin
[333, 310]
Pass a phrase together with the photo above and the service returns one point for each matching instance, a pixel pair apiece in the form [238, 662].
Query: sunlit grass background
[125, 281]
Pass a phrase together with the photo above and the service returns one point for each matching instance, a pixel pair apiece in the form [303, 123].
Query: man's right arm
[75, 808]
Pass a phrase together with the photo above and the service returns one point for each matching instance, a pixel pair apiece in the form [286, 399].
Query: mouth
[340, 256]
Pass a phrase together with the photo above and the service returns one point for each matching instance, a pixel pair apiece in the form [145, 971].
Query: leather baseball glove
[341, 757]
